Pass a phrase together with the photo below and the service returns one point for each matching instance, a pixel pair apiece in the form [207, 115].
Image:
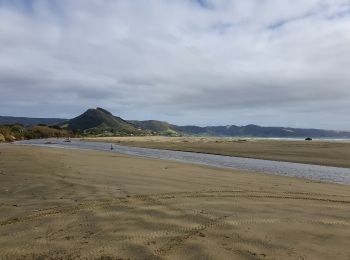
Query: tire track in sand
[179, 240]
[63, 210]
[253, 194]
[154, 198]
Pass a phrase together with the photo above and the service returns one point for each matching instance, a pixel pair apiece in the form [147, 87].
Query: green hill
[158, 127]
[100, 122]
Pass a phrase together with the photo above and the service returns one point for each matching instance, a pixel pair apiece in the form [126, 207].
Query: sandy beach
[71, 204]
[330, 153]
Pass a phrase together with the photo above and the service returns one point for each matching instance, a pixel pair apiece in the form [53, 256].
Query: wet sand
[330, 153]
[58, 203]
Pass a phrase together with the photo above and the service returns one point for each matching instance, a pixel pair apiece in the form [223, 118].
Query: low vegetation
[10, 133]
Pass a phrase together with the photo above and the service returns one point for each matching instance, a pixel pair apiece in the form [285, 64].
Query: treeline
[10, 133]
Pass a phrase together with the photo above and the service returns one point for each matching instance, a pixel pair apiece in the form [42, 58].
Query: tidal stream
[308, 171]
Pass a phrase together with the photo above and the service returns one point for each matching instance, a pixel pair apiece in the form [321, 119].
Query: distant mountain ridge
[98, 121]
[29, 121]
[243, 131]
[260, 131]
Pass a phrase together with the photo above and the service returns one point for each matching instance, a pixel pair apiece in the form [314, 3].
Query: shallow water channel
[314, 172]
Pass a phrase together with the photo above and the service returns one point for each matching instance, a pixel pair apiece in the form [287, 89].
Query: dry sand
[329, 153]
[71, 204]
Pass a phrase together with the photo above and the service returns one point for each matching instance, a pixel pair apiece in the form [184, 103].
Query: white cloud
[269, 62]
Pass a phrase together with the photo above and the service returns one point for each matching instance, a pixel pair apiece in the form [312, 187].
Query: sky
[203, 62]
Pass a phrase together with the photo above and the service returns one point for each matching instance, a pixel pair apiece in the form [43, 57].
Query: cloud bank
[200, 62]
